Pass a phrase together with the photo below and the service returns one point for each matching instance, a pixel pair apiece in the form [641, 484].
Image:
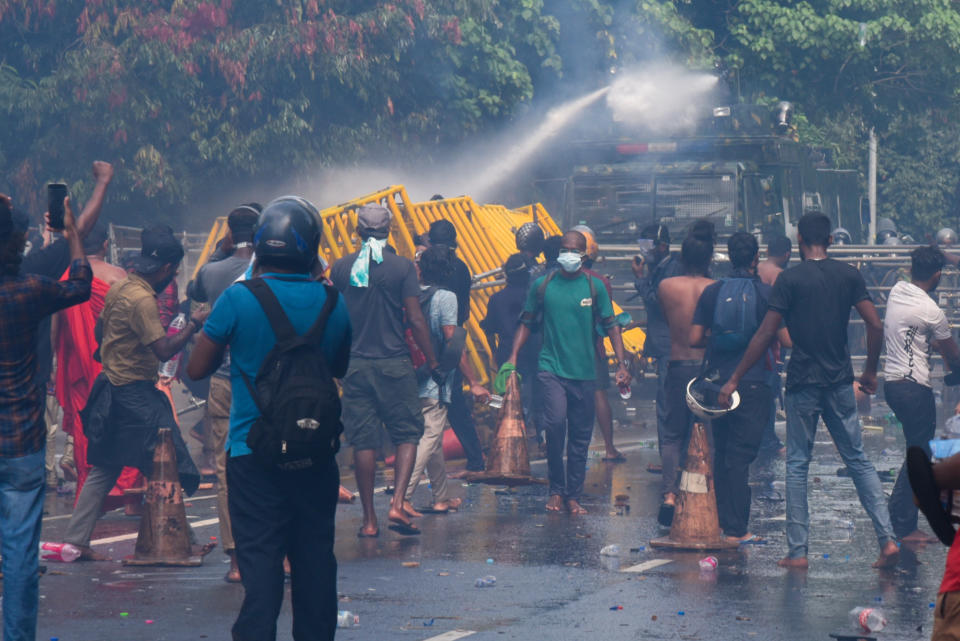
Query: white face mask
[570, 261]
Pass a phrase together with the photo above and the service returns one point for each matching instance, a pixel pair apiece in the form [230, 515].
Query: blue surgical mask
[570, 261]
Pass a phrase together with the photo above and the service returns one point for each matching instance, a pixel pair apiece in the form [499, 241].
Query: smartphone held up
[56, 194]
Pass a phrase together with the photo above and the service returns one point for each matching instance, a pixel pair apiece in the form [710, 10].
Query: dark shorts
[381, 391]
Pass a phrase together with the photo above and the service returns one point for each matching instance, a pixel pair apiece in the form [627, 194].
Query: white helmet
[946, 236]
[702, 399]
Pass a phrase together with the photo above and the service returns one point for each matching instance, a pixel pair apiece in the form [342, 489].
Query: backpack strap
[282, 327]
[316, 331]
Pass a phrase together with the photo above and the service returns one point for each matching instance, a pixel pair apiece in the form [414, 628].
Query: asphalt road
[551, 581]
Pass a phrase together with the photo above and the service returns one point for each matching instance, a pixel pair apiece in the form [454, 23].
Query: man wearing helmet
[278, 512]
[946, 238]
[736, 435]
[530, 241]
[380, 389]
[814, 300]
[133, 343]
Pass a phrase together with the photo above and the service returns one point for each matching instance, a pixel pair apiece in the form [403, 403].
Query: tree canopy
[179, 94]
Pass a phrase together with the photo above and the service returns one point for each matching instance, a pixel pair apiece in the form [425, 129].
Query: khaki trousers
[218, 418]
[430, 451]
[946, 617]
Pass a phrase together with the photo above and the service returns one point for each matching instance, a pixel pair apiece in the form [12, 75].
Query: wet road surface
[551, 581]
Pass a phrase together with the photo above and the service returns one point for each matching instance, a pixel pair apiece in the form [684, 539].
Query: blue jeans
[915, 408]
[21, 506]
[662, 364]
[838, 408]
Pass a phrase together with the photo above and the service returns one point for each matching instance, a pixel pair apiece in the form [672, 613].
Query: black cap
[159, 247]
[442, 232]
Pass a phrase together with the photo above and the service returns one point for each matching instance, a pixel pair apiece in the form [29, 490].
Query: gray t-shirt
[212, 280]
[376, 312]
[443, 313]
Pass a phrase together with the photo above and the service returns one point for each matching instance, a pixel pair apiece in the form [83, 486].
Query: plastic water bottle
[485, 582]
[495, 401]
[168, 369]
[625, 391]
[347, 619]
[708, 563]
[610, 550]
[868, 619]
[58, 552]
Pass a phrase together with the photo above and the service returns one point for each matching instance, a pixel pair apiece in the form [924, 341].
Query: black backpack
[298, 400]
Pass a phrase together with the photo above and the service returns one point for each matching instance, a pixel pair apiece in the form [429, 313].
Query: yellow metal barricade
[485, 235]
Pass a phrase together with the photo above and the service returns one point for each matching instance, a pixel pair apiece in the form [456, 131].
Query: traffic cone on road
[165, 536]
[509, 462]
[695, 522]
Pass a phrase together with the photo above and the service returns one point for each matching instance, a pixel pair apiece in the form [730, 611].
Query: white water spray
[519, 154]
[666, 99]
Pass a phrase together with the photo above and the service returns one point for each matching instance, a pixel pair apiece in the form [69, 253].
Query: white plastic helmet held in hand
[702, 399]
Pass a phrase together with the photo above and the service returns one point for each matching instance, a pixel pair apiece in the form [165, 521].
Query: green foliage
[186, 93]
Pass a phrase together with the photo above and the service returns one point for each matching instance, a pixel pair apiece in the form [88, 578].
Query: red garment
[168, 304]
[951, 575]
[76, 371]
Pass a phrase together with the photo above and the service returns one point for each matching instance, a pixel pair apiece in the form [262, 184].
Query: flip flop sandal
[754, 539]
[404, 528]
[614, 459]
[430, 510]
[665, 516]
[654, 468]
[920, 473]
[363, 535]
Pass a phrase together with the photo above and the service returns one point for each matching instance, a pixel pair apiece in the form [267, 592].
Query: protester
[125, 409]
[380, 388]
[650, 268]
[75, 344]
[442, 232]
[530, 239]
[913, 327]
[778, 257]
[567, 305]
[500, 326]
[212, 280]
[814, 299]
[275, 511]
[26, 300]
[727, 315]
[677, 297]
[551, 252]
[439, 306]
[601, 400]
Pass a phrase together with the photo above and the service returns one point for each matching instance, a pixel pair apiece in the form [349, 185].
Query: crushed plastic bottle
[708, 563]
[868, 619]
[58, 552]
[610, 550]
[625, 392]
[485, 582]
[495, 401]
[347, 619]
[168, 369]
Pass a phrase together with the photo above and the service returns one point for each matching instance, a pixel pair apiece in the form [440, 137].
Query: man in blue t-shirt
[277, 513]
[737, 434]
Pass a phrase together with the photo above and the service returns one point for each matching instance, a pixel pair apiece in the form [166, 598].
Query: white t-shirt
[912, 322]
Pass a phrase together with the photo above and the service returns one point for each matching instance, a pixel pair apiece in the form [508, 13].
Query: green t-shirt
[568, 325]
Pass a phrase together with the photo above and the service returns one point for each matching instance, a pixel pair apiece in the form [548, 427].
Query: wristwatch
[625, 364]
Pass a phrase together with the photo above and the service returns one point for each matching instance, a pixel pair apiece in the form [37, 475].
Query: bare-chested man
[778, 255]
[678, 298]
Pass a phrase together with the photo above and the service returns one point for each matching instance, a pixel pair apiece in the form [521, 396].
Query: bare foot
[346, 496]
[889, 556]
[798, 563]
[573, 507]
[369, 530]
[555, 504]
[398, 516]
[918, 536]
[459, 474]
[669, 498]
[450, 504]
[88, 554]
[409, 510]
[233, 574]
[286, 565]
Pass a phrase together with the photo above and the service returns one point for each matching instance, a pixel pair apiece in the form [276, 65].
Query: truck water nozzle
[783, 115]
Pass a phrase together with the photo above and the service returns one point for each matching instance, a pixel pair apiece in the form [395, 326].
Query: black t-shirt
[726, 362]
[503, 319]
[50, 261]
[459, 283]
[815, 298]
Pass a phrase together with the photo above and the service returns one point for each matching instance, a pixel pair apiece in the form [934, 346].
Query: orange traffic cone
[164, 536]
[695, 522]
[509, 462]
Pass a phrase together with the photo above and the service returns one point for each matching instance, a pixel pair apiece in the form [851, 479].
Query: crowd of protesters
[83, 342]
